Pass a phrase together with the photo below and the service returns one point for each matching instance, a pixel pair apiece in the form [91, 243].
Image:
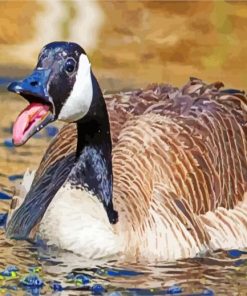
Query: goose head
[60, 87]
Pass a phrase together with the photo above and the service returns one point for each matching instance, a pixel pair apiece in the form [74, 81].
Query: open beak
[40, 110]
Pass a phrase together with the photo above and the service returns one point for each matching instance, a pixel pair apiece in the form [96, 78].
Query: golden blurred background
[132, 43]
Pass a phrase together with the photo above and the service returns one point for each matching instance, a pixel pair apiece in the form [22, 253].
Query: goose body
[159, 173]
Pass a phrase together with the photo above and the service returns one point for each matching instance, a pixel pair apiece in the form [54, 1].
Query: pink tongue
[26, 119]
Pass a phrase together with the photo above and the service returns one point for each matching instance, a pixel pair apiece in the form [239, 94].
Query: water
[219, 273]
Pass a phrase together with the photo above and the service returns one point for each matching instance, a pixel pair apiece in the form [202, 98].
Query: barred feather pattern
[180, 174]
[179, 166]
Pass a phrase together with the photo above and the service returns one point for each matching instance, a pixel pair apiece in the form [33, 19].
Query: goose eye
[70, 66]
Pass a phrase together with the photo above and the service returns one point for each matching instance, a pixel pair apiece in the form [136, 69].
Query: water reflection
[217, 273]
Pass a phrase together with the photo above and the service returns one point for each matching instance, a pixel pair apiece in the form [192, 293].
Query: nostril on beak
[34, 83]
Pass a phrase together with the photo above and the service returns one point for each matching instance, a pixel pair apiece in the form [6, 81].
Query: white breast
[77, 221]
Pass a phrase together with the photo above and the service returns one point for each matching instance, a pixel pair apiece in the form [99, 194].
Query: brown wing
[185, 156]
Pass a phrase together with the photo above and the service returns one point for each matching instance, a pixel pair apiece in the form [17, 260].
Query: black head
[60, 87]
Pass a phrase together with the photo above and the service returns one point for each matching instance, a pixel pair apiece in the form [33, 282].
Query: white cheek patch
[80, 99]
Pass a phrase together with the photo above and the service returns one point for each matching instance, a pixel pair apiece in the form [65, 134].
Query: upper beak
[34, 85]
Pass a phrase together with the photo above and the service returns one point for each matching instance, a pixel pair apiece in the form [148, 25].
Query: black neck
[93, 169]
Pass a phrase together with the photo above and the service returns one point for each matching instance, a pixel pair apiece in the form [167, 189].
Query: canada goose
[174, 185]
